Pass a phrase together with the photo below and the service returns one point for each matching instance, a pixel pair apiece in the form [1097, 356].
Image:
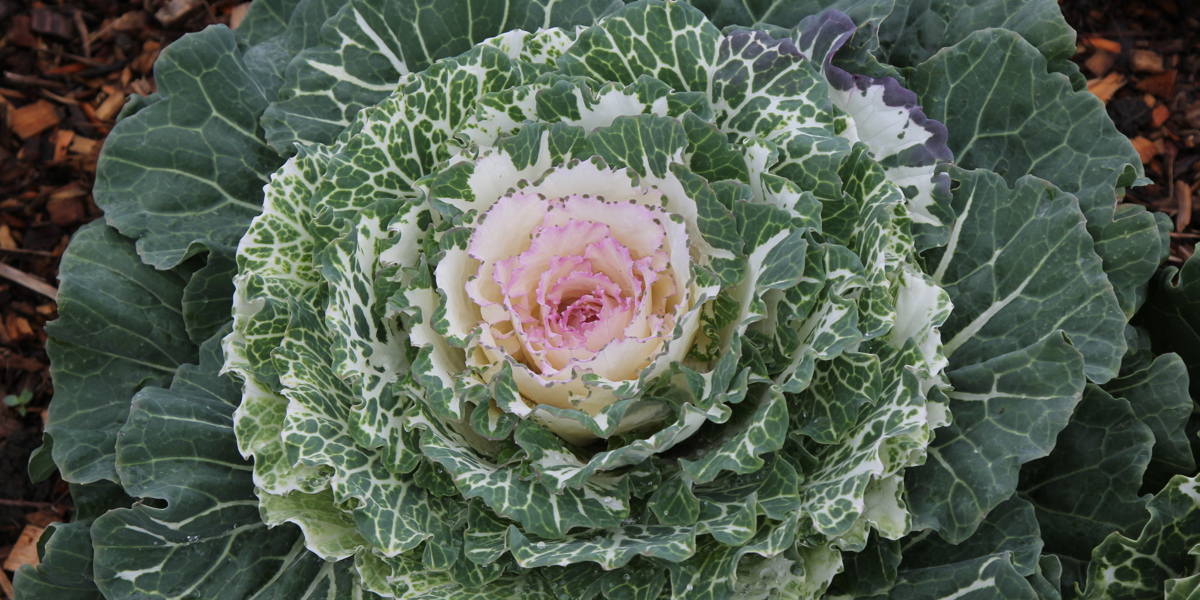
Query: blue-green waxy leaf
[65, 550]
[187, 172]
[65, 569]
[273, 45]
[1007, 411]
[1161, 557]
[985, 578]
[178, 446]
[207, 297]
[1088, 486]
[916, 30]
[1157, 391]
[122, 329]
[870, 572]
[1034, 124]
[1068, 141]
[264, 20]
[1172, 316]
[1010, 527]
[94, 499]
[1020, 265]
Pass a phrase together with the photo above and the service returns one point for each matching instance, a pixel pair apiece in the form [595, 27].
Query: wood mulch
[1143, 59]
[67, 67]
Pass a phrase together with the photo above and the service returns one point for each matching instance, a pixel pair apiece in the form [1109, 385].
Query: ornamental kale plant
[583, 300]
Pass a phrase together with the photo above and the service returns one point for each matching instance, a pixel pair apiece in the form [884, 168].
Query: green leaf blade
[186, 172]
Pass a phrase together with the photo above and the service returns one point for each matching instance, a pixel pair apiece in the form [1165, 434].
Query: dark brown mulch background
[1143, 59]
[66, 68]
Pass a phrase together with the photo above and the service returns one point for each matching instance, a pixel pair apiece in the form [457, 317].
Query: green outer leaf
[370, 44]
[1011, 527]
[870, 572]
[760, 542]
[176, 448]
[410, 579]
[1123, 568]
[916, 30]
[267, 59]
[1007, 411]
[1034, 124]
[984, 578]
[207, 297]
[366, 352]
[1172, 316]
[1088, 486]
[121, 329]
[383, 156]
[65, 569]
[304, 576]
[94, 499]
[539, 510]
[645, 144]
[258, 424]
[764, 87]
[1019, 266]
[265, 19]
[186, 172]
[65, 550]
[1159, 397]
[857, 481]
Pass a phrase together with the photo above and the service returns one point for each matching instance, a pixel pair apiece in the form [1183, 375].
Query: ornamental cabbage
[591, 300]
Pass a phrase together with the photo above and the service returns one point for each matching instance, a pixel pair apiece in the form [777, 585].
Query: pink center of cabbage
[584, 281]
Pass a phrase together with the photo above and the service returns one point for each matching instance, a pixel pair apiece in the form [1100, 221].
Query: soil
[66, 67]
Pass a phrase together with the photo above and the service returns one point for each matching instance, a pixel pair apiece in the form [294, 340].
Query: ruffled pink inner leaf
[587, 279]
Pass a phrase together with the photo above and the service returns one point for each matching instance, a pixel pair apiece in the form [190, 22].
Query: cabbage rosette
[575, 308]
[594, 301]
